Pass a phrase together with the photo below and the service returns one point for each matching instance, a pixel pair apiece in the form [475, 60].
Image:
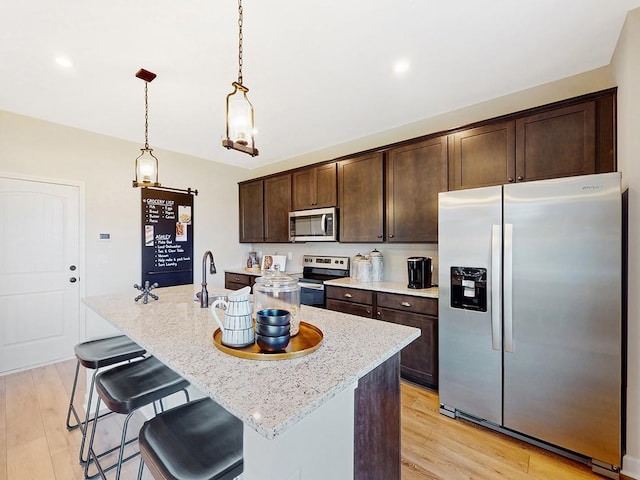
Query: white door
[39, 293]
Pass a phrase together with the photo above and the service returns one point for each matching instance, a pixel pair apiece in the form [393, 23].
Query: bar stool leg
[71, 407]
[123, 443]
[82, 425]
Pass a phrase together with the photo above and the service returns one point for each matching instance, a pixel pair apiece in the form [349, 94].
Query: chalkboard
[167, 237]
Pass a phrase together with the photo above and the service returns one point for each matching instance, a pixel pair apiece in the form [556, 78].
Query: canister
[364, 270]
[278, 291]
[377, 266]
[354, 266]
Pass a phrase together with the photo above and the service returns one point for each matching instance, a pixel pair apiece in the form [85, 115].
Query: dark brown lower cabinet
[419, 360]
[236, 281]
[377, 453]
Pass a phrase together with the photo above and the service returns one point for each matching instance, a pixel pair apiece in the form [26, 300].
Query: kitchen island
[334, 413]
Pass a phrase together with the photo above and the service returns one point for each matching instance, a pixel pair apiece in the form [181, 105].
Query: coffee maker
[419, 269]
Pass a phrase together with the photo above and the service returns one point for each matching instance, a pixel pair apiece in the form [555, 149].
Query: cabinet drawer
[237, 278]
[351, 308]
[349, 294]
[426, 306]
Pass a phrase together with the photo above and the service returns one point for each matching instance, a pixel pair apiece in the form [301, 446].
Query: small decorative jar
[278, 291]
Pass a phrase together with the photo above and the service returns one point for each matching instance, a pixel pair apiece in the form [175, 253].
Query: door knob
[73, 279]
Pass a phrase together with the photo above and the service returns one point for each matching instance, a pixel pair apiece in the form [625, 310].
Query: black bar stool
[95, 354]
[124, 389]
[196, 441]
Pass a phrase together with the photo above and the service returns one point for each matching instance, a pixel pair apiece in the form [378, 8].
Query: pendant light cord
[240, 42]
[146, 116]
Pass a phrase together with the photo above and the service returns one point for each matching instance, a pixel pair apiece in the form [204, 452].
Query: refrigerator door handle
[508, 287]
[496, 253]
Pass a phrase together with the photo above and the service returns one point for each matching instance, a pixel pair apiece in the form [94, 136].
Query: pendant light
[240, 126]
[146, 163]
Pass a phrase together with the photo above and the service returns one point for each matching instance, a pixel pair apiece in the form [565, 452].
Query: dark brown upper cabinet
[315, 187]
[482, 156]
[416, 173]
[251, 211]
[277, 205]
[558, 143]
[572, 137]
[361, 199]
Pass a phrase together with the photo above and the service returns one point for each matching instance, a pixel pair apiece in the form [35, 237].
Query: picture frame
[269, 262]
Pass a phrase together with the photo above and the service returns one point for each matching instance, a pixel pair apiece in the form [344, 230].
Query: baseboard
[631, 466]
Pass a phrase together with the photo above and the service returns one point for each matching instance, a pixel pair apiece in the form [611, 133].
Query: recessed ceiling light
[401, 66]
[64, 62]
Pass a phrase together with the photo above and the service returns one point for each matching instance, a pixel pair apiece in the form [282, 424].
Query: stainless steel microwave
[317, 225]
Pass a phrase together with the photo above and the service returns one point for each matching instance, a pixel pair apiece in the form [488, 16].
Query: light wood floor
[35, 445]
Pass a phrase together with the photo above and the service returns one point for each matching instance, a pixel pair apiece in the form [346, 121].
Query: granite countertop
[389, 287]
[268, 396]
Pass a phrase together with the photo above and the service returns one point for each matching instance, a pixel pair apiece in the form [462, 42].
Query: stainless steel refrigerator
[530, 331]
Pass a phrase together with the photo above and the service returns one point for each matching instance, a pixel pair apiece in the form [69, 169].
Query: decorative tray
[306, 341]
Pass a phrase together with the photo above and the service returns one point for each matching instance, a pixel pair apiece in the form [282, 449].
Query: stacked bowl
[273, 329]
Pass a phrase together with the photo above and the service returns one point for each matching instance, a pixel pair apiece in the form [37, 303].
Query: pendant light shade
[240, 122]
[146, 163]
[240, 126]
[146, 169]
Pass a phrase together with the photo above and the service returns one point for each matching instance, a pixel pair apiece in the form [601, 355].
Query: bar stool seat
[95, 354]
[196, 441]
[126, 388]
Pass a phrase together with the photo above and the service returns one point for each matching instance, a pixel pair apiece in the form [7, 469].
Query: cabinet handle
[347, 295]
[379, 236]
[510, 180]
[368, 312]
[405, 304]
[391, 236]
[379, 313]
[520, 178]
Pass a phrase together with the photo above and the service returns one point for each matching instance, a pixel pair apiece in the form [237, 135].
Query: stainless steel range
[315, 270]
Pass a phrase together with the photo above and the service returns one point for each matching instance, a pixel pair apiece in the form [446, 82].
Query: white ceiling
[319, 72]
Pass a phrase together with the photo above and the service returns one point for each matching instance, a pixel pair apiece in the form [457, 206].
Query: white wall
[394, 255]
[626, 70]
[105, 166]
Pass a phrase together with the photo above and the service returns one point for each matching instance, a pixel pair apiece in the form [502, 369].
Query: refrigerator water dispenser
[469, 288]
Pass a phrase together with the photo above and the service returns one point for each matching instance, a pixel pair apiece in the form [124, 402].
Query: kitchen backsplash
[394, 255]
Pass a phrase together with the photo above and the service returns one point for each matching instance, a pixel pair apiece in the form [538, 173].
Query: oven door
[312, 294]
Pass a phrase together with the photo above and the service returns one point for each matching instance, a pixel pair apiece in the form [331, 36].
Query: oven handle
[312, 286]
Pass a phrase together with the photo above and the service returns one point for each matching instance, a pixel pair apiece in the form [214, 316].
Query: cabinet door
[557, 143]
[415, 175]
[277, 204]
[360, 198]
[315, 187]
[482, 156]
[251, 212]
[300, 187]
[419, 360]
[324, 184]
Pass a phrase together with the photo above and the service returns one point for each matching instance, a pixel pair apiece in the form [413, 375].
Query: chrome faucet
[204, 295]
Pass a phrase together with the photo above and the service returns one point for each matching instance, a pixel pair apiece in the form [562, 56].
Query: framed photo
[269, 262]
